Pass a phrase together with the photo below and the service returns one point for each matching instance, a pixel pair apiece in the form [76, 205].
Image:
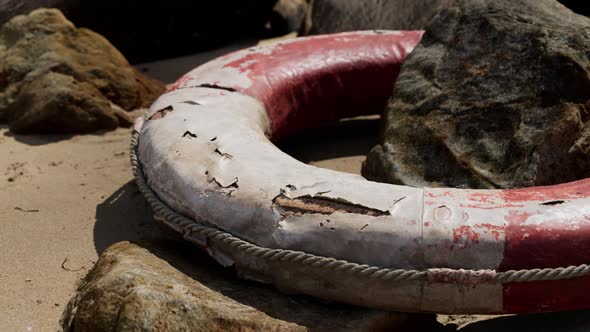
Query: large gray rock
[330, 16]
[60, 79]
[289, 15]
[495, 96]
[130, 289]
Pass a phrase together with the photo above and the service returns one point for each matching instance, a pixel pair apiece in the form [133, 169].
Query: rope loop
[229, 242]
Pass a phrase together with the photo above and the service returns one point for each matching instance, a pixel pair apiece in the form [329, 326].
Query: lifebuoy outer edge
[204, 148]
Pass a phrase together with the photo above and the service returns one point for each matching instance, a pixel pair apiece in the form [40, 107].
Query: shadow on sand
[570, 321]
[125, 216]
[342, 139]
[45, 139]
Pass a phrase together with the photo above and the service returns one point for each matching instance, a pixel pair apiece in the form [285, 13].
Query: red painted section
[545, 296]
[564, 191]
[466, 235]
[181, 81]
[550, 243]
[308, 81]
[325, 78]
[488, 200]
[496, 231]
[483, 197]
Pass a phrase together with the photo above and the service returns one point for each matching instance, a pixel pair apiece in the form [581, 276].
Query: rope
[231, 243]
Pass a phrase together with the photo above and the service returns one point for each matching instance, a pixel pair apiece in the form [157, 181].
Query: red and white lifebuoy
[204, 148]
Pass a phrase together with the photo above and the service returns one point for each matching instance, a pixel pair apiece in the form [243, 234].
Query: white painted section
[190, 175]
[459, 233]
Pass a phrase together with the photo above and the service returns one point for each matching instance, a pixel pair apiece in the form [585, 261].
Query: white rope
[229, 242]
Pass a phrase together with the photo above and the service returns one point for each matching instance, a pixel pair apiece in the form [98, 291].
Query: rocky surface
[130, 288]
[329, 16]
[60, 79]
[290, 15]
[495, 96]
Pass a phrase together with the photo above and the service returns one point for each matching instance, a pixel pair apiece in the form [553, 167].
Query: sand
[51, 219]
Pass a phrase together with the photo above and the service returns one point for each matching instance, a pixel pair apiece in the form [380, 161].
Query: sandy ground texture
[63, 200]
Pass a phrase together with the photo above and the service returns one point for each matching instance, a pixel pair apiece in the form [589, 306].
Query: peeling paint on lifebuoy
[205, 151]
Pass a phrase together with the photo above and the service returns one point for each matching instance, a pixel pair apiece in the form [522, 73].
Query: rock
[59, 79]
[495, 96]
[11, 8]
[58, 103]
[130, 288]
[330, 16]
[290, 15]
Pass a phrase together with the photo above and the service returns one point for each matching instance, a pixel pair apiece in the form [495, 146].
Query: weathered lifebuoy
[213, 175]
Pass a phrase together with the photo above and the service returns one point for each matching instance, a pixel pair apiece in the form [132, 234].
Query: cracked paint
[160, 114]
[322, 205]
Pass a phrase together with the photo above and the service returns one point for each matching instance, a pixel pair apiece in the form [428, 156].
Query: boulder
[56, 78]
[330, 16]
[289, 15]
[130, 288]
[496, 95]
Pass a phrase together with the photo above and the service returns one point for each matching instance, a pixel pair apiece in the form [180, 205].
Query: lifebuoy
[213, 175]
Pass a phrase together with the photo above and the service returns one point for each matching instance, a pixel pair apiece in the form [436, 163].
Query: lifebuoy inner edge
[203, 158]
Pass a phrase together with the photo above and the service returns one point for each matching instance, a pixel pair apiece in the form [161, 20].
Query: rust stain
[161, 113]
[322, 205]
